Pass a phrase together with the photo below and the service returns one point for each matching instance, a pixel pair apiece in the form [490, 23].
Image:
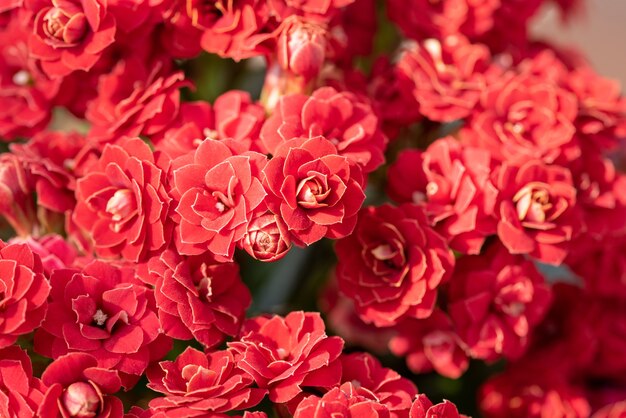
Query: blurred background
[598, 30]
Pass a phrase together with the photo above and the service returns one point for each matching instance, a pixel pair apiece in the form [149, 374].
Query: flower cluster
[145, 179]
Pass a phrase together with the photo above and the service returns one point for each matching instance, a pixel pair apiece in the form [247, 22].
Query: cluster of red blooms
[499, 161]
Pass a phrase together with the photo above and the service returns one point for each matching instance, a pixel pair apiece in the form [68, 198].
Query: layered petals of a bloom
[392, 265]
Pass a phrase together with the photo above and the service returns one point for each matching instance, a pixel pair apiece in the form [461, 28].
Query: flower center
[204, 13]
[61, 27]
[312, 191]
[533, 202]
[21, 78]
[100, 318]
[120, 205]
[81, 400]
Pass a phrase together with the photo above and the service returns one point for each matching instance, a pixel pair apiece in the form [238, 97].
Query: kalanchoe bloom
[453, 184]
[301, 48]
[341, 117]
[17, 204]
[421, 19]
[70, 35]
[198, 297]
[123, 204]
[23, 292]
[231, 28]
[54, 251]
[430, 344]
[286, 355]
[424, 408]
[537, 210]
[267, 237]
[26, 95]
[392, 265]
[346, 401]
[78, 387]
[136, 98]
[197, 383]
[217, 188]
[49, 159]
[20, 392]
[369, 378]
[177, 34]
[102, 311]
[495, 300]
[316, 192]
[448, 77]
[522, 117]
[233, 116]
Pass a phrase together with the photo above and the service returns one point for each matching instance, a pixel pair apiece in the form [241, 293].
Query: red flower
[424, 408]
[104, 312]
[70, 35]
[17, 203]
[79, 387]
[392, 264]
[135, 99]
[537, 210]
[340, 117]
[198, 297]
[421, 19]
[267, 237]
[197, 383]
[26, 95]
[123, 203]
[453, 184]
[23, 292]
[495, 300]
[447, 78]
[522, 117]
[217, 188]
[231, 29]
[233, 116]
[54, 251]
[346, 401]
[369, 378]
[430, 344]
[316, 192]
[286, 355]
[20, 392]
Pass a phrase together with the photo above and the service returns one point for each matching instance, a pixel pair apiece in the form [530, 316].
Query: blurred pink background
[599, 31]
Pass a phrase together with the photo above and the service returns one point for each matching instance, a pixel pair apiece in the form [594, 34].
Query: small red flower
[198, 297]
[267, 237]
[20, 392]
[70, 35]
[78, 387]
[447, 77]
[430, 344]
[346, 401]
[347, 122]
[522, 117]
[102, 311]
[26, 95]
[233, 116]
[369, 378]
[286, 355]
[495, 300]
[392, 264]
[218, 189]
[197, 383]
[123, 204]
[135, 98]
[23, 292]
[453, 184]
[424, 408]
[301, 47]
[54, 251]
[537, 210]
[316, 192]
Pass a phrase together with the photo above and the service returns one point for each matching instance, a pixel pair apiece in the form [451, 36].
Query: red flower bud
[267, 238]
[302, 48]
[82, 400]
